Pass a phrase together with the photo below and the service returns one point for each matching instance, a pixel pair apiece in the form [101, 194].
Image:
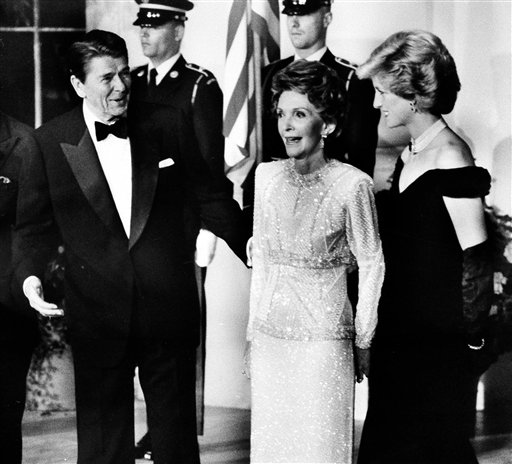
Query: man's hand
[33, 290]
[362, 364]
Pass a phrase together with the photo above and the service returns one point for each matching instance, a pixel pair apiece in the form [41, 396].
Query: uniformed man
[177, 82]
[307, 22]
[168, 79]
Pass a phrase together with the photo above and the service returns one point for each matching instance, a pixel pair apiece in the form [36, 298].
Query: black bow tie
[118, 129]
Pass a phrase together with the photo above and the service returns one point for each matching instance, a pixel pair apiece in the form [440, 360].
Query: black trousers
[104, 403]
[15, 356]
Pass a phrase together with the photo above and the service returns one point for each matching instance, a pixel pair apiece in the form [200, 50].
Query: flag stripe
[239, 94]
[265, 21]
[236, 15]
[246, 18]
[260, 25]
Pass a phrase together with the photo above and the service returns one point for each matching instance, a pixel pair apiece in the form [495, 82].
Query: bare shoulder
[453, 152]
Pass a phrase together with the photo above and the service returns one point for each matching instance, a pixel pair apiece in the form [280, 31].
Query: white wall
[477, 33]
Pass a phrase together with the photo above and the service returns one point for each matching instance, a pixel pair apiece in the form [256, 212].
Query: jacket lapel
[145, 158]
[85, 165]
[164, 90]
[140, 83]
[328, 58]
[167, 87]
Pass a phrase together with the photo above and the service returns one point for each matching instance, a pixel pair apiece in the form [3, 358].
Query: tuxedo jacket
[118, 287]
[16, 139]
[196, 92]
[357, 142]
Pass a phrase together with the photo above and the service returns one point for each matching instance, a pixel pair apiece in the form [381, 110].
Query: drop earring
[414, 108]
[322, 140]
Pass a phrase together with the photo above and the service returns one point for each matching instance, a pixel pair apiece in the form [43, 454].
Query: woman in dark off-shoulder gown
[431, 222]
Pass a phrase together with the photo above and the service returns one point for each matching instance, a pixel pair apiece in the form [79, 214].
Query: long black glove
[477, 290]
[477, 295]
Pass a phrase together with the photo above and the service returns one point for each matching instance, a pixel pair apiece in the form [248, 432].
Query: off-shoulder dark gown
[419, 377]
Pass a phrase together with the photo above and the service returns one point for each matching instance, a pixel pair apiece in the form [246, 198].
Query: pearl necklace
[423, 141]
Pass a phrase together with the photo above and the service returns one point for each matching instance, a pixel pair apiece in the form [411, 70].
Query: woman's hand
[362, 363]
[248, 250]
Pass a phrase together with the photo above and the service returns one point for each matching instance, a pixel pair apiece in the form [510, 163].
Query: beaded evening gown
[419, 376]
[309, 230]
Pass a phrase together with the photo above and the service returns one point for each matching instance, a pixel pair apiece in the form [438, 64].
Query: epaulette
[352, 69]
[202, 71]
[199, 69]
[346, 63]
[203, 74]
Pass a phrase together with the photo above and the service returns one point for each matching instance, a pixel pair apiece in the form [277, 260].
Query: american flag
[252, 42]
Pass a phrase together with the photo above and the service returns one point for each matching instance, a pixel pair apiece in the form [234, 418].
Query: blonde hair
[416, 65]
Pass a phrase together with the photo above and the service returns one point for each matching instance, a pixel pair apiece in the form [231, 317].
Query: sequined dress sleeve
[258, 263]
[364, 242]
[308, 232]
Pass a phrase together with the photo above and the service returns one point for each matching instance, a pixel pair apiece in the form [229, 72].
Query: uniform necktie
[118, 129]
[152, 78]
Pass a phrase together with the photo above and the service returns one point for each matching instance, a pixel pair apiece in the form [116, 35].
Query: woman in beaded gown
[432, 223]
[314, 219]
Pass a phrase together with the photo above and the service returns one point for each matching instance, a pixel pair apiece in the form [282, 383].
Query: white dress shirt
[316, 56]
[116, 161]
[163, 68]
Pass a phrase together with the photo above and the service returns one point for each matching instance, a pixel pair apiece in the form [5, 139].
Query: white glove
[206, 243]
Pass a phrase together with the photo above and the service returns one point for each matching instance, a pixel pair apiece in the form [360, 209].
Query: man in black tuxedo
[308, 21]
[119, 206]
[19, 332]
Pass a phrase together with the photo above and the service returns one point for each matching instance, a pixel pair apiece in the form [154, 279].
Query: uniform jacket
[117, 287]
[358, 139]
[16, 139]
[196, 92]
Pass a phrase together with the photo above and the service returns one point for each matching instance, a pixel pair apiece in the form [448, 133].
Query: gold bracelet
[479, 347]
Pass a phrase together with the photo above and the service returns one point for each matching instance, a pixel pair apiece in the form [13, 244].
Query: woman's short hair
[416, 65]
[318, 82]
[96, 43]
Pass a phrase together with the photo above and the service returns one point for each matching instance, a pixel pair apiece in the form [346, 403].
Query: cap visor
[153, 22]
[298, 10]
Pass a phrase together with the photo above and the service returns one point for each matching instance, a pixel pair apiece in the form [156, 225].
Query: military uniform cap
[157, 12]
[303, 7]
